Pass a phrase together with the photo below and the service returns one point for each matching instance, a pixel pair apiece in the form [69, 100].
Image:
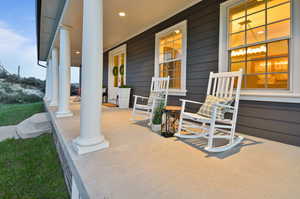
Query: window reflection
[279, 29]
[255, 6]
[278, 13]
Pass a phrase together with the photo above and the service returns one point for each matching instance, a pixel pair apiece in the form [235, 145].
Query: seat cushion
[201, 118]
[207, 108]
[154, 95]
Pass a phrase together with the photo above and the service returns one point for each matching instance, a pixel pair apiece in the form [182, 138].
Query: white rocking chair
[158, 93]
[220, 86]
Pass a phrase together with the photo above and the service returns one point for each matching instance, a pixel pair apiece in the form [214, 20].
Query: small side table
[171, 115]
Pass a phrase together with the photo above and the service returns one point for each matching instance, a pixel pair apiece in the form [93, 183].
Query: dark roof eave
[38, 6]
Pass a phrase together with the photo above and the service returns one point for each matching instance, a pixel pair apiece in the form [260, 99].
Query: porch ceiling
[140, 15]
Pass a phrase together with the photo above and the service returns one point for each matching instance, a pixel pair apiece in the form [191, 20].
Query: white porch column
[47, 81]
[49, 96]
[91, 138]
[64, 73]
[75, 192]
[54, 73]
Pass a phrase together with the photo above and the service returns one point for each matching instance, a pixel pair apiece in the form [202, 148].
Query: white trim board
[291, 95]
[111, 89]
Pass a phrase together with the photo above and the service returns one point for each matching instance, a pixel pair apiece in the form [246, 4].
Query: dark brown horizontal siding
[276, 121]
[105, 69]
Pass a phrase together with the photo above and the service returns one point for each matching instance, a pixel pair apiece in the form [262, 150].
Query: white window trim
[183, 26]
[293, 94]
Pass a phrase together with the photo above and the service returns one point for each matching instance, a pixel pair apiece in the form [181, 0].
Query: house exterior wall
[275, 121]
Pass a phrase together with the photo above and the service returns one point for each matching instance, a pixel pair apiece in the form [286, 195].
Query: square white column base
[83, 149]
[47, 101]
[52, 103]
[63, 114]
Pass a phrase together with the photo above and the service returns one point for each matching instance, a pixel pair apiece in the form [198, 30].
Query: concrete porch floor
[143, 165]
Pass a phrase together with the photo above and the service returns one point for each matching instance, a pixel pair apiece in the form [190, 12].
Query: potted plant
[157, 118]
[123, 96]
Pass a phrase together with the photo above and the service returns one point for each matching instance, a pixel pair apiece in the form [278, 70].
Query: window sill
[284, 97]
[177, 92]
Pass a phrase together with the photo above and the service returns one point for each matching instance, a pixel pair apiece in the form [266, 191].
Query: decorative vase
[123, 97]
[156, 127]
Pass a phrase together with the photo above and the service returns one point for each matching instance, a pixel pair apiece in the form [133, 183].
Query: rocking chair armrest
[138, 96]
[191, 101]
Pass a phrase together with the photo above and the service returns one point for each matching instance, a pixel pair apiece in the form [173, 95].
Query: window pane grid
[170, 60]
[170, 48]
[270, 71]
[271, 57]
[266, 8]
[284, 19]
[173, 70]
[279, 2]
[258, 22]
[265, 31]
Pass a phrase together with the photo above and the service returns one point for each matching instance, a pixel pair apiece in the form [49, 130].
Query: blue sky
[18, 39]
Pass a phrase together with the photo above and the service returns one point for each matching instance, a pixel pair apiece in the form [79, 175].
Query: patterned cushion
[154, 95]
[207, 108]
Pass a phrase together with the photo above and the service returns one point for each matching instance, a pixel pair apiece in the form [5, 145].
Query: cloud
[16, 49]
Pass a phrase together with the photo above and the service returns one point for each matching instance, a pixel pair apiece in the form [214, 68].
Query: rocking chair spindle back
[158, 92]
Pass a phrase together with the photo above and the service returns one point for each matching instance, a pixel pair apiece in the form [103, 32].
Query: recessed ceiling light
[122, 14]
[177, 31]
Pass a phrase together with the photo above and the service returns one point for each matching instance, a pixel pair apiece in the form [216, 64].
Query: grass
[30, 169]
[12, 114]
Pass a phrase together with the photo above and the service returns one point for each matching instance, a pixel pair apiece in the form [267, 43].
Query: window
[170, 57]
[260, 36]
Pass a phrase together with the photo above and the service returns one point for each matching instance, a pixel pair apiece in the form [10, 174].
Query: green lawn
[11, 114]
[30, 169]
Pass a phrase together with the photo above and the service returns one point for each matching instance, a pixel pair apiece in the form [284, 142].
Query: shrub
[125, 86]
[12, 78]
[19, 98]
[158, 114]
[3, 74]
[31, 81]
[7, 88]
[25, 81]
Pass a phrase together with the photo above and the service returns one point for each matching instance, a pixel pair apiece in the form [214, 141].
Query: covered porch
[105, 155]
[141, 164]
